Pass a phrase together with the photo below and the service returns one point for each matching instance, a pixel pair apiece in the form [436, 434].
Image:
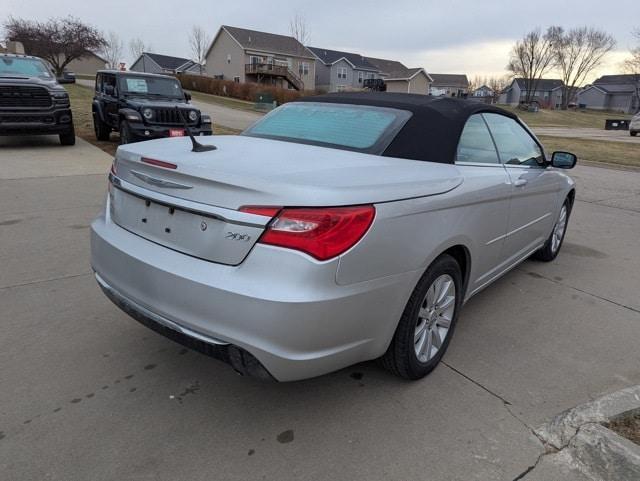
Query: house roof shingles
[269, 42]
[449, 80]
[331, 56]
[542, 84]
[166, 61]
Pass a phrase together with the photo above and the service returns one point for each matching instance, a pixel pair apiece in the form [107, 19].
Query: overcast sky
[467, 36]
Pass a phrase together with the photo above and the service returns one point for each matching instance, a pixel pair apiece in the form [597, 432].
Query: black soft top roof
[432, 132]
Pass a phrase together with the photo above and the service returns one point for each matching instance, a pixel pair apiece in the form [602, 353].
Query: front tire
[551, 248]
[69, 137]
[125, 133]
[633, 133]
[428, 321]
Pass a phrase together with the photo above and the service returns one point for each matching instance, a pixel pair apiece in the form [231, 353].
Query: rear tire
[551, 248]
[102, 130]
[633, 133]
[69, 137]
[428, 321]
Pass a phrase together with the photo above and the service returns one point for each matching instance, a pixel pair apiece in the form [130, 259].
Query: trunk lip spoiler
[227, 215]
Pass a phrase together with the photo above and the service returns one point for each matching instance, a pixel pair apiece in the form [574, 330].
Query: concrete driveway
[89, 394]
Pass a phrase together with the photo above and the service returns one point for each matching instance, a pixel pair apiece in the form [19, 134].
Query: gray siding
[593, 99]
[323, 76]
[226, 58]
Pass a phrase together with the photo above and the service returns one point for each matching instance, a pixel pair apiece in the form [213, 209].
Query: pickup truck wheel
[125, 133]
[550, 249]
[101, 129]
[69, 137]
[633, 133]
[427, 323]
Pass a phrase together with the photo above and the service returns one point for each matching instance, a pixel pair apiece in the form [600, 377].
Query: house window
[236, 80]
[371, 75]
[303, 68]
[360, 77]
[253, 60]
[342, 72]
[228, 58]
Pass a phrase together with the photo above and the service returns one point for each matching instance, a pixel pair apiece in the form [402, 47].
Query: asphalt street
[89, 394]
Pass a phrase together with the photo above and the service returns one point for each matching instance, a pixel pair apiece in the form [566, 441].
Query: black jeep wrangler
[32, 101]
[142, 106]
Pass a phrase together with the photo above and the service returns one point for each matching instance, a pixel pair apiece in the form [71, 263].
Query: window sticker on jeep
[137, 85]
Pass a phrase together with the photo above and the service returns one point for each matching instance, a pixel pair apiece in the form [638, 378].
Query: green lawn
[565, 118]
[81, 98]
[224, 101]
[620, 153]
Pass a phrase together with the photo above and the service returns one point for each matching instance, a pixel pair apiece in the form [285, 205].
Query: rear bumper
[51, 121]
[283, 308]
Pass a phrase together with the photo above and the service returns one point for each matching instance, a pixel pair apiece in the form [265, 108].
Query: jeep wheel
[125, 133]
[69, 137]
[101, 129]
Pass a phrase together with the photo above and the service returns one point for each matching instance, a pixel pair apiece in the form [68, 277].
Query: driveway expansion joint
[610, 301]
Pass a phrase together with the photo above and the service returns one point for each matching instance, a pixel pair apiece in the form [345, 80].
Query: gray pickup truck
[32, 102]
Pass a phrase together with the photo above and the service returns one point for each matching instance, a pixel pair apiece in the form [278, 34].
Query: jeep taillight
[323, 232]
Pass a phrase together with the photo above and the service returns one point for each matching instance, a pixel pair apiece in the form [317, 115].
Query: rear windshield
[19, 66]
[349, 127]
[165, 87]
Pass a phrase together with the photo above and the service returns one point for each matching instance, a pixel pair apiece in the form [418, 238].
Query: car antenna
[197, 146]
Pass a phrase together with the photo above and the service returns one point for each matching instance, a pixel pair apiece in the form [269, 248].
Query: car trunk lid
[190, 202]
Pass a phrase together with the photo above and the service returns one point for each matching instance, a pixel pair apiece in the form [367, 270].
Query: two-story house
[548, 92]
[338, 71]
[244, 55]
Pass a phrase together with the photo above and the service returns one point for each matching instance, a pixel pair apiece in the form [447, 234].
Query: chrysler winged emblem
[167, 184]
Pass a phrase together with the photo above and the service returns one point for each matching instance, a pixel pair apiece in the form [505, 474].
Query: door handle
[520, 182]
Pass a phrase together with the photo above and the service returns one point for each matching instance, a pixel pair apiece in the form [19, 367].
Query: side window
[98, 87]
[475, 143]
[109, 81]
[515, 145]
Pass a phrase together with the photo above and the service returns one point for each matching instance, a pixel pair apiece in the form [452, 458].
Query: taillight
[320, 232]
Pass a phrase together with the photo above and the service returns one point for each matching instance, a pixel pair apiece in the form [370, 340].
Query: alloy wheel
[434, 318]
[558, 230]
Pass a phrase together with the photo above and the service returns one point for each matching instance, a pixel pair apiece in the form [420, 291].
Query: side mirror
[187, 96]
[564, 160]
[110, 90]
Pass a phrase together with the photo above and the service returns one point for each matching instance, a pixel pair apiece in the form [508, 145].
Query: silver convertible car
[337, 229]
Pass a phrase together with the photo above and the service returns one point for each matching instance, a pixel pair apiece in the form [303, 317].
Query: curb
[596, 450]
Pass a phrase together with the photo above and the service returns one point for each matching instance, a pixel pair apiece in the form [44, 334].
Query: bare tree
[137, 47]
[632, 65]
[58, 40]
[531, 58]
[298, 29]
[112, 50]
[199, 42]
[578, 52]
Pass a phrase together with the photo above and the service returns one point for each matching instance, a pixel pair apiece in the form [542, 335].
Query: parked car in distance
[67, 77]
[337, 229]
[143, 106]
[31, 100]
[634, 125]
